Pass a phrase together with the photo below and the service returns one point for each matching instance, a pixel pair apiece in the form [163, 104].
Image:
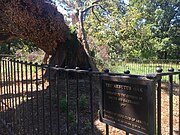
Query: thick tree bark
[41, 23]
[71, 54]
[33, 20]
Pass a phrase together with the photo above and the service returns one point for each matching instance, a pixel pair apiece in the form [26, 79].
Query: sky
[126, 1]
[60, 9]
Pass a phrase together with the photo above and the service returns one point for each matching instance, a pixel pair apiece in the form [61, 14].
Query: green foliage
[140, 29]
[5, 49]
[98, 60]
[22, 50]
[87, 125]
[63, 104]
[83, 101]
[72, 119]
[33, 69]
[23, 45]
[124, 32]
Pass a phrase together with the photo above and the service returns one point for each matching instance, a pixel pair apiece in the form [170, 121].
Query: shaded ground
[165, 110]
[37, 111]
[33, 106]
[3, 130]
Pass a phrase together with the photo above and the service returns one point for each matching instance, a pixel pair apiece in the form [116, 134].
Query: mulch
[28, 119]
[3, 129]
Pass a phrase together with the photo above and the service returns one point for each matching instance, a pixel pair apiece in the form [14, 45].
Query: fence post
[171, 101]
[50, 98]
[77, 100]
[22, 94]
[1, 109]
[32, 100]
[179, 98]
[159, 70]
[57, 92]
[67, 99]
[107, 126]
[43, 100]
[127, 72]
[91, 101]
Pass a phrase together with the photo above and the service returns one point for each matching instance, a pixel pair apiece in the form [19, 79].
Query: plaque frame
[150, 84]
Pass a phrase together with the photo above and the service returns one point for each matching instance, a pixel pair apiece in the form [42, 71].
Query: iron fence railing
[173, 91]
[146, 66]
[62, 101]
[42, 99]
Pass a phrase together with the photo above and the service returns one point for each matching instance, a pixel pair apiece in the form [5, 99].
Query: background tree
[162, 15]
[143, 29]
[138, 29]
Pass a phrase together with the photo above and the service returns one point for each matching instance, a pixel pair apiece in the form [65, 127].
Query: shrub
[63, 104]
[83, 101]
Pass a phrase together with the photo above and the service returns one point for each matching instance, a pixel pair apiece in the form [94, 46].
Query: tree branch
[94, 5]
[97, 1]
[95, 15]
[82, 30]
[85, 10]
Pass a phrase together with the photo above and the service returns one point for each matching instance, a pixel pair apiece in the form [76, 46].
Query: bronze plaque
[127, 103]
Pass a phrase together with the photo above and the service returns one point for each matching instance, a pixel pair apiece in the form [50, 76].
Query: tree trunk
[41, 23]
[70, 54]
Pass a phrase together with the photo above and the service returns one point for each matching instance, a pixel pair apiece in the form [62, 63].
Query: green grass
[144, 68]
[139, 68]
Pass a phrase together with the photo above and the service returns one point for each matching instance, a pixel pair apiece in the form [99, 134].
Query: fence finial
[106, 70]
[126, 72]
[171, 69]
[77, 68]
[90, 69]
[57, 66]
[159, 69]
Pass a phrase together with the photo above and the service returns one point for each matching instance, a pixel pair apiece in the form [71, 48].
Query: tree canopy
[145, 29]
[137, 29]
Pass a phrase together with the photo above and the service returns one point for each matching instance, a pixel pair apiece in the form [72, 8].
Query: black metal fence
[146, 66]
[172, 91]
[45, 100]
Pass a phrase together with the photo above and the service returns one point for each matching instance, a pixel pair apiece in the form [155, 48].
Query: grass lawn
[145, 68]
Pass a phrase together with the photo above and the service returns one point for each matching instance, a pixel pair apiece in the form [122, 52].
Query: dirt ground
[164, 115]
[25, 110]
[3, 130]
